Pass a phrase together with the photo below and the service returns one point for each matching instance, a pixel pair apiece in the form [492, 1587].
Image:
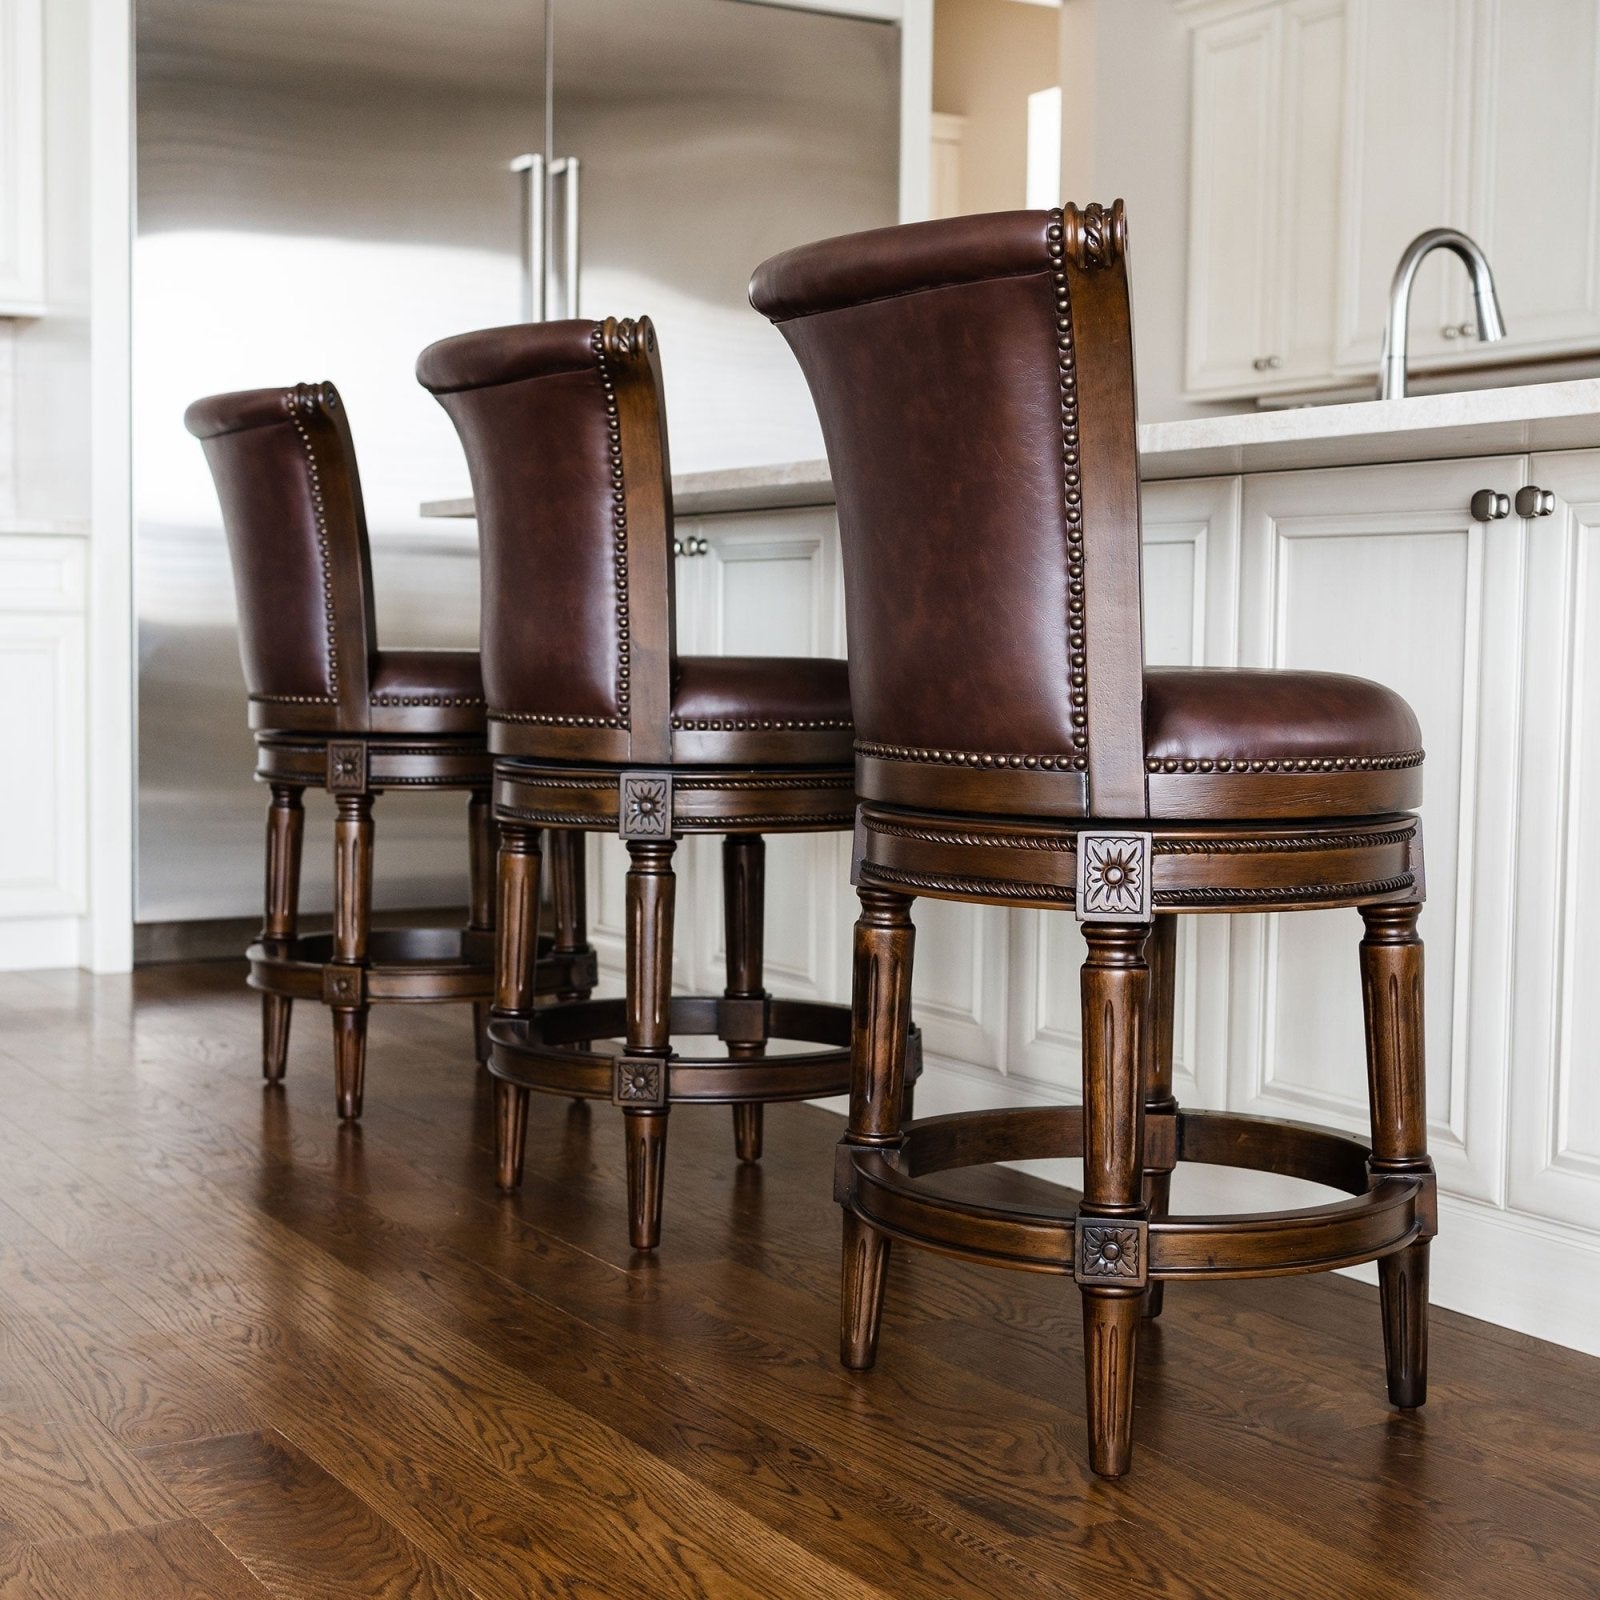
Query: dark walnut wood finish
[334, 712]
[599, 725]
[975, 384]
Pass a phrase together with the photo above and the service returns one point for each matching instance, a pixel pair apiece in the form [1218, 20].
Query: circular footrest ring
[404, 965]
[1385, 1212]
[552, 1051]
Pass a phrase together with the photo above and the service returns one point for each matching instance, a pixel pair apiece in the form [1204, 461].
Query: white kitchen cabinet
[1555, 1111]
[22, 286]
[1326, 136]
[43, 714]
[756, 583]
[1383, 572]
[1267, 125]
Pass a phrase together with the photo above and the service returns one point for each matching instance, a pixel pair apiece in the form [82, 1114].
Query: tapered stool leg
[881, 998]
[481, 886]
[1159, 1103]
[281, 920]
[744, 914]
[1111, 1237]
[650, 896]
[516, 956]
[1392, 1000]
[569, 894]
[344, 981]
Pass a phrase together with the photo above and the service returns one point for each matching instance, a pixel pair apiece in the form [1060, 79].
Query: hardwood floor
[247, 1352]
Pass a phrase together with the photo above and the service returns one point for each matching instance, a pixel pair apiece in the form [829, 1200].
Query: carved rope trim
[998, 889]
[1072, 501]
[820, 822]
[1303, 892]
[752, 725]
[1067, 844]
[1290, 764]
[844, 780]
[1097, 236]
[307, 397]
[619, 508]
[967, 758]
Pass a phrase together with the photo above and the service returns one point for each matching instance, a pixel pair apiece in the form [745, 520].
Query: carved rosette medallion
[347, 767]
[639, 1081]
[343, 985]
[1113, 877]
[1111, 1252]
[644, 805]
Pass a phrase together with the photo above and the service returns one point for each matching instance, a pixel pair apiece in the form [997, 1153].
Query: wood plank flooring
[246, 1353]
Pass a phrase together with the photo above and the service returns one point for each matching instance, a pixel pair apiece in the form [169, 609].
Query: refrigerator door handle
[535, 268]
[567, 169]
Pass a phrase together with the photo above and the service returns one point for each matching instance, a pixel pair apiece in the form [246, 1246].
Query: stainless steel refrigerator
[325, 186]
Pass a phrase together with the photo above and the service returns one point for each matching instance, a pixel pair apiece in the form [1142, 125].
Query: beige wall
[988, 57]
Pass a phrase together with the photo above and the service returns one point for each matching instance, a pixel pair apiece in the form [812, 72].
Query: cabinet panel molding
[1382, 572]
[22, 263]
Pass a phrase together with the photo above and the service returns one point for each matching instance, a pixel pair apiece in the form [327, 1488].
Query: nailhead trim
[968, 758]
[619, 523]
[1072, 503]
[1171, 764]
[305, 397]
[294, 699]
[683, 725]
[539, 719]
[425, 700]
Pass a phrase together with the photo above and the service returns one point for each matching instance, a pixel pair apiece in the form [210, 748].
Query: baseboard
[31, 944]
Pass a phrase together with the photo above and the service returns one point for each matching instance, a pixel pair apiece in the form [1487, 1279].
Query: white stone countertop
[1428, 427]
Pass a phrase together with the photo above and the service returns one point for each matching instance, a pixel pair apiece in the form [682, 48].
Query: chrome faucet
[1491, 326]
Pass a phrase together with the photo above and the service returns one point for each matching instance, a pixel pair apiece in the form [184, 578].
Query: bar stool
[597, 723]
[975, 383]
[332, 711]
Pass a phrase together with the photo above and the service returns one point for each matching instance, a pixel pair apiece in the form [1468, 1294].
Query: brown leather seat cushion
[718, 699]
[1212, 714]
[427, 691]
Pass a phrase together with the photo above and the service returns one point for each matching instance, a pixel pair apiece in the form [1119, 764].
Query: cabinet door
[1304, 283]
[1191, 580]
[1407, 142]
[1536, 168]
[1233, 211]
[22, 288]
[1555, 1103]
[1383, 573]
[43, 729]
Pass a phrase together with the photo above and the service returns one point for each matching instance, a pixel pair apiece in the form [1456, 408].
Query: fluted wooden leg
[481, 886]
[1115, 984]
[345, 984]
[650, 895]
[281, 919]
[881, 1002]
[744, 860]
[1392, 1001]
[516, 950]
[1159, 1102]
[569, 892]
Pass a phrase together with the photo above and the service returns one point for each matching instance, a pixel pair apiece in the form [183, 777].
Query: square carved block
[1111, 1252]
[1113, 877]
[347, 767]
[343, 984]
[644, 805]
[639, 1081]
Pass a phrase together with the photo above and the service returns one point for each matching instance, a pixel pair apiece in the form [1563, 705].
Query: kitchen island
[1448, 545]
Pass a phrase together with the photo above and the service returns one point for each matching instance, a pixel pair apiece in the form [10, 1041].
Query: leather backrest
[285, 471]
[565, 438]
[975, 387]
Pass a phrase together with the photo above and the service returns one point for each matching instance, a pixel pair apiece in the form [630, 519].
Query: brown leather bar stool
[332, 711]
[975, 383]
[597, 723]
